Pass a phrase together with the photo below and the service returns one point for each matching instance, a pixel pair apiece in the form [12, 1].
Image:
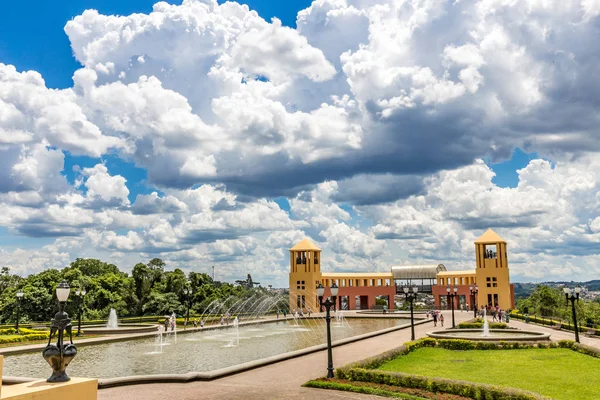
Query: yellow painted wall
[493, 268]
[304, 279]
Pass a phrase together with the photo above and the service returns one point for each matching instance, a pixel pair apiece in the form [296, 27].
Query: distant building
[360, 290]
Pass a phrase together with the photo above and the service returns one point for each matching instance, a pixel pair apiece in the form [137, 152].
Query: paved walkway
[282, 380]
[554, 334]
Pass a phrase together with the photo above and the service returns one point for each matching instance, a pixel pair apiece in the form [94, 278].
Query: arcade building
[359, 291]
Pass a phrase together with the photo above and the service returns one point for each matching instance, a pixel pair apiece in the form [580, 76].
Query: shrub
[479, 325]
[23, 338]
[462, 388]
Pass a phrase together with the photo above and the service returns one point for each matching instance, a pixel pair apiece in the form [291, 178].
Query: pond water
[199, 351]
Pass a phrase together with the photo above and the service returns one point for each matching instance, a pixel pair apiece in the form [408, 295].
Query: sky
[389, 132]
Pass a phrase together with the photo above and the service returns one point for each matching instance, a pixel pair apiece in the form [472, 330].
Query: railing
[552, 321]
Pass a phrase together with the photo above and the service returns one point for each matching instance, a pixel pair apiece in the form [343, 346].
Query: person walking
[435, 318]
[442, 319]
[202, 323]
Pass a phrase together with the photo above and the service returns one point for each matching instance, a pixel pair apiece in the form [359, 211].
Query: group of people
[498, 315]
[437, 317]
[194, 322]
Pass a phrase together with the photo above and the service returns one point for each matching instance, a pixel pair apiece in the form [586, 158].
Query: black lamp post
[80, 295]
[188, 297]
[328, 304]
[474, 291]
[19, 298]
[451, 296]
[59, 355]
[572, 295]
[411, 296]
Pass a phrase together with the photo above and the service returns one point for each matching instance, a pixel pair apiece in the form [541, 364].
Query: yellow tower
[492, 275]
[305, 275]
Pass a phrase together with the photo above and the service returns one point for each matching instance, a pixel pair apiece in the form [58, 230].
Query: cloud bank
[370, 118]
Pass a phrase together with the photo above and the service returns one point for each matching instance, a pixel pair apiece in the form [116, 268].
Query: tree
[248, 283]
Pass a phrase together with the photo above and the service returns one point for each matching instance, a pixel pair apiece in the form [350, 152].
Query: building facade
[491, 276]
[360, 290]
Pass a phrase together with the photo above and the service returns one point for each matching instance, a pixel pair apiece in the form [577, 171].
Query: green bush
[439, 385]
[479, 325]
[23, 338]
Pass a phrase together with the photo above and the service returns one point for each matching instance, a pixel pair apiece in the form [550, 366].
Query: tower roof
[489, 237]
[305, 244]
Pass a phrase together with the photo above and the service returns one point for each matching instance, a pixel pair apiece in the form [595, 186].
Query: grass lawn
[561, 374]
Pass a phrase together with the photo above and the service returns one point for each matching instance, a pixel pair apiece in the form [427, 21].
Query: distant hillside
[523, 290]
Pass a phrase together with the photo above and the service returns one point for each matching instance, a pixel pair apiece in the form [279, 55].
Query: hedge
[479, 324]
[462, 388]
[380, 390]
[24, 338]
[366, 370]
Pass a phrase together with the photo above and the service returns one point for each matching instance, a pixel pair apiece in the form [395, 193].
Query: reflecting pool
[199, 351]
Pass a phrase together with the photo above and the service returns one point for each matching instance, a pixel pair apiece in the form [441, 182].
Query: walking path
[282, 380]
[556, 335]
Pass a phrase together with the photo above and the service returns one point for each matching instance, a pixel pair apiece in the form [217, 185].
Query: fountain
[112, 323]
[340, 321]
[487, 334]
[295, 317]
[486, 326]
[113, 326]
[173, 328]
[158, 341]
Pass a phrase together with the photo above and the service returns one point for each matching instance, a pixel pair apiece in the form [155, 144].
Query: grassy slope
[559, 373]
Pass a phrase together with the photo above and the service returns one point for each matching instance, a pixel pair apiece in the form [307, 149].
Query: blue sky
[43, 46]
[371, 176]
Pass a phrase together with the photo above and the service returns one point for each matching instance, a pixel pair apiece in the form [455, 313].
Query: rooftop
[489, 237]
[357, 275]
[305, 244]
[417, 271]
[451, 273]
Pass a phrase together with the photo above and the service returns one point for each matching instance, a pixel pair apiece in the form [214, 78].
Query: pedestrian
[222, 319]
[202, 323]
[309, 311]
[278, 314]
[442, 319]
[284, 313]
[435, 318]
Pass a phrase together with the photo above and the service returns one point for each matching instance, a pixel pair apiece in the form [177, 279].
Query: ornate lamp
[60, 355]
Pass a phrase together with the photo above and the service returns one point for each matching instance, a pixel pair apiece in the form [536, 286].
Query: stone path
[282, 380]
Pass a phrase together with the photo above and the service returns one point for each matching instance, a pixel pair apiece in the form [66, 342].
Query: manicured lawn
[561, 374]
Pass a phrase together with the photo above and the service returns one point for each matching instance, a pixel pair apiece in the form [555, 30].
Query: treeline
[549, 302]
[149, 290]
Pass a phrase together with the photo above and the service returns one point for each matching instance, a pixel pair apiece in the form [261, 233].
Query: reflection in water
[201, 351]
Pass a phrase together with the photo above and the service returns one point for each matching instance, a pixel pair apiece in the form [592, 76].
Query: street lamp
[19, 298]
[80, 295]
[60, 355]
[188, 296]
[474, 291]
[410, 296]
[451, 296]
[573, 294]
[328, 304]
